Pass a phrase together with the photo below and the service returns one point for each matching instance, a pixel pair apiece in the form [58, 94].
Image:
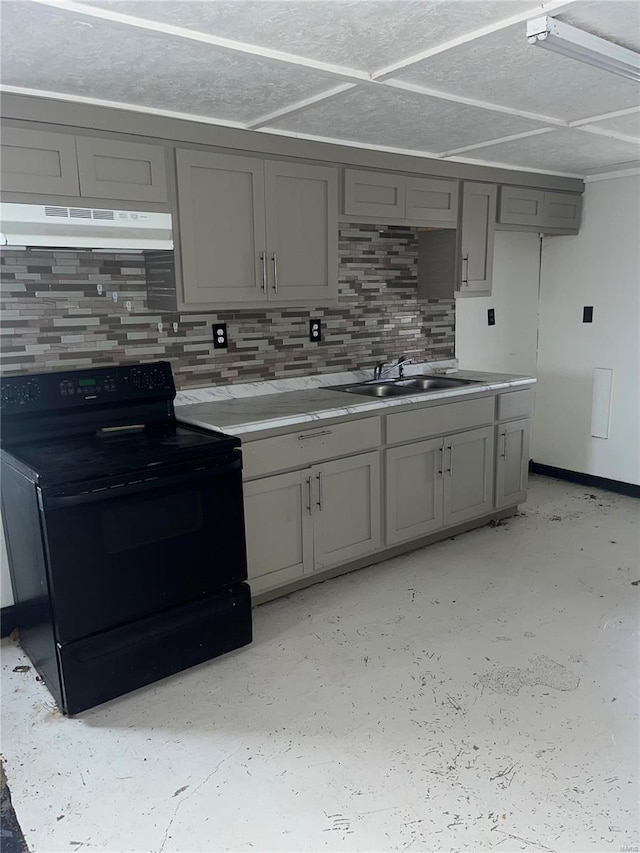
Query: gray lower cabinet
[36, 161]
[256, 231]
[279, 529]
[312, 519]
[347, 514]
[438, 483]
[512, 462]
[468, 475]
[477, 237]
[414, 490]
[121, 170]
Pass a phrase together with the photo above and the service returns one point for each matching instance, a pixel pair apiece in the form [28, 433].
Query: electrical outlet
[315, 330]
[220, 340]
[587, 314]
[491, 316]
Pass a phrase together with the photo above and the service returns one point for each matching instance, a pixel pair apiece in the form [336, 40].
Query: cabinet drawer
[516, 404]
[438, 420]
[120, 170]
[304, 447]
[374, 194]
[35, 161]
[430, 200]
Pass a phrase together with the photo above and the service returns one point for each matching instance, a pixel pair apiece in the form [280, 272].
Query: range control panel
[83, 388]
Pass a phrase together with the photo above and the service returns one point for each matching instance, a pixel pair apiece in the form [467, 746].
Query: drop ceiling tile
[616, 20]
[48, 49]
[397, 119]
[629, 125]
[570, 151]
[504, 69]
[362, 34]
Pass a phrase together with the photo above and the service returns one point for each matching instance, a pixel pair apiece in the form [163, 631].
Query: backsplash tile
[52, 317]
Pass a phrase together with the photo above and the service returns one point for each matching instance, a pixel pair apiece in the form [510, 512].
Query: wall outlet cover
[587, 314]
[315, 330]
[491, 316]
[220, 340]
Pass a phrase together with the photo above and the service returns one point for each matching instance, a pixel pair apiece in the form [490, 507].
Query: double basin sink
[403, 387]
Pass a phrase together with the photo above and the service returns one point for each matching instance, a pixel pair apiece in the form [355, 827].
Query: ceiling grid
[448, 79]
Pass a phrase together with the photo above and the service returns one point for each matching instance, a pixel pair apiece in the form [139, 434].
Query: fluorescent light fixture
[576, 44]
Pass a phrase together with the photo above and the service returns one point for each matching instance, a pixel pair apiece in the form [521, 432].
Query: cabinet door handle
[309, 510]
[319, 478]
[263, 258]
[504, 446]
[274, 258]
[465, 272]
[450, 468]
[306, 435]
[441, 461]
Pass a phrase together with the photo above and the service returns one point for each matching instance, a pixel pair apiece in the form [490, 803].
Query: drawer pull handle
[322, 432]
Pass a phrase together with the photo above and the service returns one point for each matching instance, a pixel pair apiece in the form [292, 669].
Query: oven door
[128, 547]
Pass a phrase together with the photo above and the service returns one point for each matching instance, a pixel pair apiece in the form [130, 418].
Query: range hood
[83, 227]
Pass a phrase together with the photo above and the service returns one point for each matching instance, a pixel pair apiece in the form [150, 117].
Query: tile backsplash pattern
[52, 317]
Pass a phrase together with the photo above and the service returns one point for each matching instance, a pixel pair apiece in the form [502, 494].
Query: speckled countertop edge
[308, 399]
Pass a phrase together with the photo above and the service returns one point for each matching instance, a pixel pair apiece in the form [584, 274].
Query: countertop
[232, 410]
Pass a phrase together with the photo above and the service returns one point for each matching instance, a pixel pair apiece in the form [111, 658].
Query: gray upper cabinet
[302, 231]
[430, 200]
[39, 162]
[385, 197]
[374, 194]
[477, 237]
[539, 209]
[120, 170]
[562, 210]
[256, 231]
[221, 214]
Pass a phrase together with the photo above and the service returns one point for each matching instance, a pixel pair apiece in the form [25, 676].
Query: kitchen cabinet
[539, 209]
[398, 199]
[460, 263]
[512, 462]
[256, 231]
[279, 529]
[311, 519]
[121, 170]
[36, 161]
[438, 483]
[477, 237]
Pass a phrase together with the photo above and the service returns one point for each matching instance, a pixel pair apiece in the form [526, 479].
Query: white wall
[510, 345]
[599, 267]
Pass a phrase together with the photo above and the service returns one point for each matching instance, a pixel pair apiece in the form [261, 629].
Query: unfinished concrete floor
[478, 694]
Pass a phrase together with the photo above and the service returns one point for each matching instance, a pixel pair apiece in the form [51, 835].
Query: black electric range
[125, 531]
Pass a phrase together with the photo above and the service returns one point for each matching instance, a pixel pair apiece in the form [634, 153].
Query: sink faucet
[380, 370]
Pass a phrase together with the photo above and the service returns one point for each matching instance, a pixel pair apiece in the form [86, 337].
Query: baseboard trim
[8, 620]
[594, 482]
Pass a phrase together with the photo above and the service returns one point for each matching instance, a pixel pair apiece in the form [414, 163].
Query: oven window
[129, 524]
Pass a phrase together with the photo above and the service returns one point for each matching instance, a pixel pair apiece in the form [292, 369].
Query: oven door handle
[143, 483]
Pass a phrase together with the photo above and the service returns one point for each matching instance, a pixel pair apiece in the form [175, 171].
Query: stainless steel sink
[403, 387]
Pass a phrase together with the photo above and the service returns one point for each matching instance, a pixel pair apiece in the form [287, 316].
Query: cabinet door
[35, 161]
[302, 231]
[562, 210]
[278, 529]
[374, 194]
[347, 509]
[414, 490]
[512, 463]
[222, 228]
[431, 200]
[468, 477]
[127, 171]
[478, 232]
[521, 206]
